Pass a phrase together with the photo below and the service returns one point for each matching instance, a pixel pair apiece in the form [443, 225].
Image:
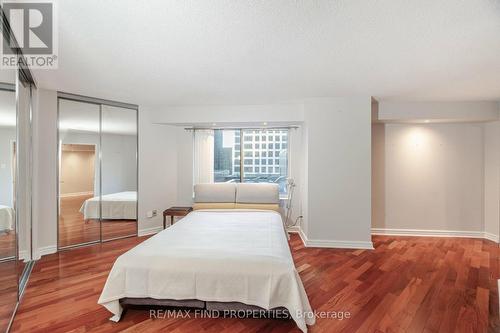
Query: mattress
[6, 218]
[115, 206]
[213, 256]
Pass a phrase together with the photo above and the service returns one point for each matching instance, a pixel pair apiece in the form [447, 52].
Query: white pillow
[263, 193]
[219, 192]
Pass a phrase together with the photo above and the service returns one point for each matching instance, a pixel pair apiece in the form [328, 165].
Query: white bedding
[6, 218]
[115, 206]
[224, 256]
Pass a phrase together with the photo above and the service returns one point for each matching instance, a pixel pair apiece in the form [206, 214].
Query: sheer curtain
[203, 156]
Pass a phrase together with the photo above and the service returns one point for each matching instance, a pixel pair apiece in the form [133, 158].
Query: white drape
[203, 156]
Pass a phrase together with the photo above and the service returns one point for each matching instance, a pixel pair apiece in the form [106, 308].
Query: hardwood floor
[74, 230]
[7, 244]
[407, 284]
[8, 292]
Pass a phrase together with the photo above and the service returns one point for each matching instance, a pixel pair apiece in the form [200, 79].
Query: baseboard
[294, 229]
[491, 237]
[435, 233]
[334, 244]
[76, 194]
[23, 255]
[149, 231]
[43, 251]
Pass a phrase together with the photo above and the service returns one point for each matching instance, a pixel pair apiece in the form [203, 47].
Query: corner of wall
[157, 171]
[44, 172]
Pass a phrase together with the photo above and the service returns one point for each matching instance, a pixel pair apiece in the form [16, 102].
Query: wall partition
[97, 161]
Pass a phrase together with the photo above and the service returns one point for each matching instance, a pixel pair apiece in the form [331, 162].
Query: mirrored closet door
[8, 233]
[22, 152]
[119, 172]
[16, 255]
[97, 171]
[79, 142]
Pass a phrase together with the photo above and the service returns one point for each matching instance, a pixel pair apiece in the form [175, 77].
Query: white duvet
[224, 256]
[6, 218]
[115, 206]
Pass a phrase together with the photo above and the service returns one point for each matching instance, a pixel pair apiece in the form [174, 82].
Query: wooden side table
[175, 211]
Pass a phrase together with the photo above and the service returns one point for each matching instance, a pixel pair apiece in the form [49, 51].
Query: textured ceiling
[250, 52]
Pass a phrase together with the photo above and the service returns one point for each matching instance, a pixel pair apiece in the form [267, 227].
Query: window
[226, 156]
[256, 156]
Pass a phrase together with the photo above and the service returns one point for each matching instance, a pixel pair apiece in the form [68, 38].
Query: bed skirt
[209, 306]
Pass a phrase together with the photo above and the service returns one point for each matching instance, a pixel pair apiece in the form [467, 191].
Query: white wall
[492, 180]
[296, 171]
[220, 114]
[157, 170]
[433, 177]
[378, 174]
[45, 171]
[184, 166]
[338, 172]
[478, 111]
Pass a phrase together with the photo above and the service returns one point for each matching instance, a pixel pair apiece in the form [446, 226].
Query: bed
[214, 259]
[6, 218]
[115, 206]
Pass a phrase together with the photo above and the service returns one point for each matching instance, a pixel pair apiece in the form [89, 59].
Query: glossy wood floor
[7, 244]
[405, 285]
[8, 292]
[74, 230]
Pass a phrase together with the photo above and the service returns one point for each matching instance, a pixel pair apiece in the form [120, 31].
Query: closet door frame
[99, 102]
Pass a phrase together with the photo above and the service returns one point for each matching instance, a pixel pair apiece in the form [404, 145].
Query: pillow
[263, 193]
[219, 192]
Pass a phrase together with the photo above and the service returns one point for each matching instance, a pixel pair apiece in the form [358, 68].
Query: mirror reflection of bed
[97, 173]
[118, 213]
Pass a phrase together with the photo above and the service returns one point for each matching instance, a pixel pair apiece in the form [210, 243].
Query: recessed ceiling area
[161, 53]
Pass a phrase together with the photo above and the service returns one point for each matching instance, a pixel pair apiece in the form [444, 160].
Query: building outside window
[261, 148]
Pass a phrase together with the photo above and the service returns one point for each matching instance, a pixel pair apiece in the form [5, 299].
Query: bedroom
[370, 131]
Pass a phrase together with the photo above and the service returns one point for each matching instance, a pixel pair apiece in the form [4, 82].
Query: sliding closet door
[8, 247]
[79, 146]
[22, 151]
[119, 172]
